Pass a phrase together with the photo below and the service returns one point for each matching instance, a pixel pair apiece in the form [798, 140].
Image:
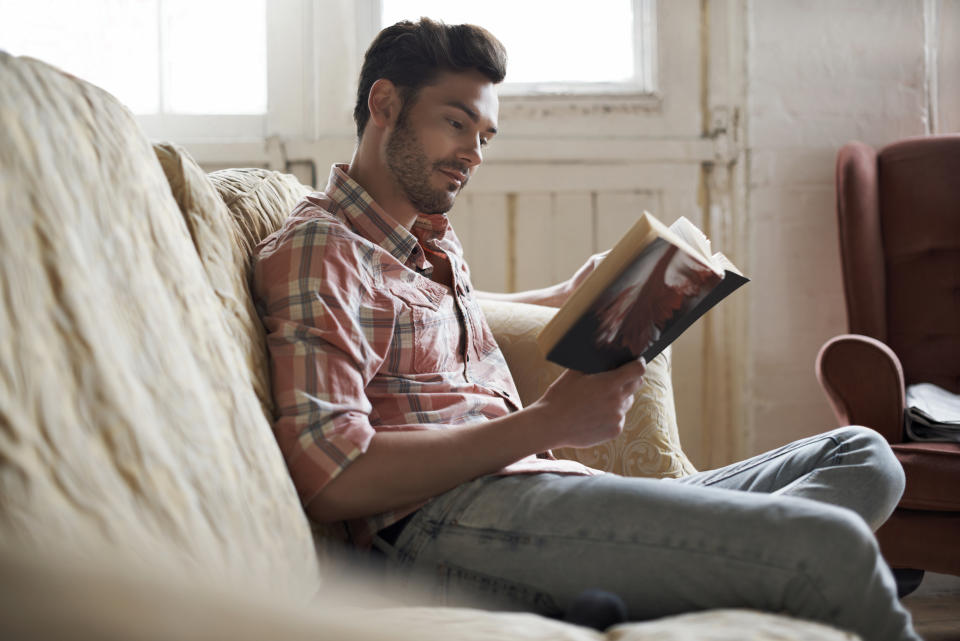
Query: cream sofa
[142, 495]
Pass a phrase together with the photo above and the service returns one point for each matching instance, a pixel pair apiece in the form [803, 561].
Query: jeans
[788, 531]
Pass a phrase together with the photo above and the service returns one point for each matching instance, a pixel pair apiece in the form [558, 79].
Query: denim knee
[834, 543]
[887, 479]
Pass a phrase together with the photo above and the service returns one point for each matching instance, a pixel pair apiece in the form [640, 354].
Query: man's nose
[471, 152]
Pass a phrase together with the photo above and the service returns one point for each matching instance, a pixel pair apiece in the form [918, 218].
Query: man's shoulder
[312, 224]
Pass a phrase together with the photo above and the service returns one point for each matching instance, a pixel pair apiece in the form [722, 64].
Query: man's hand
[587, 409]
[588, 268]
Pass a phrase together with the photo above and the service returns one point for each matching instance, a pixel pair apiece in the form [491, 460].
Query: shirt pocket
[426, 329]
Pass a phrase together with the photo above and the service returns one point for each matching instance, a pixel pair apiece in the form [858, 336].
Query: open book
[654, 283]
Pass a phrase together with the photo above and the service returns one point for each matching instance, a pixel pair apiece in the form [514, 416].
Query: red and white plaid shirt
[361, 340]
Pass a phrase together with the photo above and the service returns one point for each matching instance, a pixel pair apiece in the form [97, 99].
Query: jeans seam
[773, 455]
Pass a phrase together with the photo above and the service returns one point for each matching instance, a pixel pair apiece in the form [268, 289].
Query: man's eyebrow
[470, 113]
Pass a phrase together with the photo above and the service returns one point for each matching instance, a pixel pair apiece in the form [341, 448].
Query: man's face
[436, 144]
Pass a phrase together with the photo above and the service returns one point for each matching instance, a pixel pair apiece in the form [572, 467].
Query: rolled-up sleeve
[328, 330]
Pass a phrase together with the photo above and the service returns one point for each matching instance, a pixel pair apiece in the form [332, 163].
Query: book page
[690, 233]
[724, 263]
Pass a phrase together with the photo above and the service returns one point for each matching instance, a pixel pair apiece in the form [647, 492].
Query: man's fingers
[631, 370]
[633, 385]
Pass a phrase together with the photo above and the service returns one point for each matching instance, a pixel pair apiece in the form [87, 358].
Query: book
[653, 284]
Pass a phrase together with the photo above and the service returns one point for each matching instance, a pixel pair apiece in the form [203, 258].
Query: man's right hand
[587, 409]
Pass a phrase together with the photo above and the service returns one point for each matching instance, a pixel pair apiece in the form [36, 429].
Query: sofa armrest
[649, 444]
[863, 380]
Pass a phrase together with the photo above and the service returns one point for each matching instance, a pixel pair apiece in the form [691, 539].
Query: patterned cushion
[649, 445]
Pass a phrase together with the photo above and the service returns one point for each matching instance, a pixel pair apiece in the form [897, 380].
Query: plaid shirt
[361, 340]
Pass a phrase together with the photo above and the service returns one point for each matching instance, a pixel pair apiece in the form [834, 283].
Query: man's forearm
[405, 467]
[402, 468]
[553, 296]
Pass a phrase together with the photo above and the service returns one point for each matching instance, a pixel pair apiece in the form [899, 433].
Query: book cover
[654, 284]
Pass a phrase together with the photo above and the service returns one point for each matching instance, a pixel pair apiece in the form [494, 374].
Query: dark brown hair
[411, 55]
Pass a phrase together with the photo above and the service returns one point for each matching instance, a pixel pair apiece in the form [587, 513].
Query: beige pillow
[222, 250]
[649, 445]
[259, 201]
[228, 213]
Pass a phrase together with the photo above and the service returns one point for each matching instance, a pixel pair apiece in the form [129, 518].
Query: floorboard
[935, 607]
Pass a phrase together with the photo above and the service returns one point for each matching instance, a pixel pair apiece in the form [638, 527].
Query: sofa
[142, 494]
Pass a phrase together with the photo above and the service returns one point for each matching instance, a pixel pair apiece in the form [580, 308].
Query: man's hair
[411, 56]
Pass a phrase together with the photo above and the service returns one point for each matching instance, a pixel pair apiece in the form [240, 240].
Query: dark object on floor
[908, 580]
[597, 609]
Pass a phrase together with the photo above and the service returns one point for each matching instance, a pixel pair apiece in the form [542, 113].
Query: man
[398, 417]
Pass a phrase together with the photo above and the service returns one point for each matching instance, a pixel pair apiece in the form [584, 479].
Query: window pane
[111, 43]
[215, 56]
[214, 51]
[546, 40]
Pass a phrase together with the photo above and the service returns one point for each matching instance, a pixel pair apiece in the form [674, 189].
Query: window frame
[305, 40]
[643, 86]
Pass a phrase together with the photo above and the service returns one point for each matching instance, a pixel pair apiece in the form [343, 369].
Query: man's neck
[382, 188]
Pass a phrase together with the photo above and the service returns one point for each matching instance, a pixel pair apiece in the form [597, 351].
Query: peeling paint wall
[820, 73]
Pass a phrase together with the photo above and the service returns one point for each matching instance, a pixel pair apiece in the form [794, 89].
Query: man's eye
[455, 124]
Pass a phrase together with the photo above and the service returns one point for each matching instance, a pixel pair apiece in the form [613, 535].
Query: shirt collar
[372, 222]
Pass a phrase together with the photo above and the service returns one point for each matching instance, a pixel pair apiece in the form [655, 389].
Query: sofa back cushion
[128, 417]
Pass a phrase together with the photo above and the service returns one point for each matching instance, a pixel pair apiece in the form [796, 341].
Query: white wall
[820, 73]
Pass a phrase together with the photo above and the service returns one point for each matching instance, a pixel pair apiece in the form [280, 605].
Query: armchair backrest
[899, 215]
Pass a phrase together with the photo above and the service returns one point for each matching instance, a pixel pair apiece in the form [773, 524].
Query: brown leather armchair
[899, 215]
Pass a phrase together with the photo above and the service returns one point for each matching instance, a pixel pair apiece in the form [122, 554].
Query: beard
[412, 171]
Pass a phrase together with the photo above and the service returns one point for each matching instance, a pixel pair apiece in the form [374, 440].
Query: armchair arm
[649, 444]
[863, 380]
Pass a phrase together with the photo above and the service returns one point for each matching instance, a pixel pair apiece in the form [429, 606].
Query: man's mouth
[457, 176]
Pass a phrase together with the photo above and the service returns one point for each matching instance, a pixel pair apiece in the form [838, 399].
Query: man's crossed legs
[787, 531]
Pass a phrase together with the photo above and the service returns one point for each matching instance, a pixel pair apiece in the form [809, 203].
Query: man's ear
[384, 103]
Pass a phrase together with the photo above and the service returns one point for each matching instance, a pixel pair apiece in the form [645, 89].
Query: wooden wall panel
[618, 210]
[535, 246]
[481, 223]
[574, 232]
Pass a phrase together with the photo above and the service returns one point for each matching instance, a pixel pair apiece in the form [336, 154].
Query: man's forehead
[469, 91]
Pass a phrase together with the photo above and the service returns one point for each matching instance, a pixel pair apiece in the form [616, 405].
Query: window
[556, 48]
[164, 59]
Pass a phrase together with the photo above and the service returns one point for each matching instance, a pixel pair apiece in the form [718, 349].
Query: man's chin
[441, 203]
[437, 207]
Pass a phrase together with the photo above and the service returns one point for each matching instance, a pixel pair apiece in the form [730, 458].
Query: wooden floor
[935, 607]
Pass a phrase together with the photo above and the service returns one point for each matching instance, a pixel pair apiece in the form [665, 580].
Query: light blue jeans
[787, 531]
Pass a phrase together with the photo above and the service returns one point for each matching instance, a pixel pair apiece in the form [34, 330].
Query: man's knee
[876, 476]
[880, 458]
[833, 542]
